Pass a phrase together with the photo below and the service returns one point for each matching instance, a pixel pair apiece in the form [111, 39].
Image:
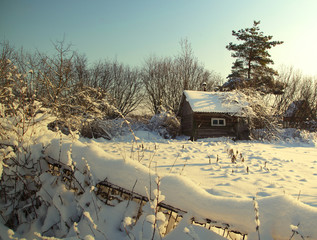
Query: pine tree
[252, 57]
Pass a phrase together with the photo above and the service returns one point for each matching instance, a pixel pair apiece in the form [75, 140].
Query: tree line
[59, 77]
[67, 82]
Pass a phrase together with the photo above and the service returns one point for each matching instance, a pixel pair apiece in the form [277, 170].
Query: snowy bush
[91, 103]
[258, 115]
[297, 135]
[44, 192]
[107, 128]
[38, 193]
[83, 111]
[165, 123]
[19, 163]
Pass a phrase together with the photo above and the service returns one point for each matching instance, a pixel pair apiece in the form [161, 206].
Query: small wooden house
[212, 114]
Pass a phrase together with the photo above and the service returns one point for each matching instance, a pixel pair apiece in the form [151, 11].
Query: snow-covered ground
[210, 178]
[260, 169]
[201, 177]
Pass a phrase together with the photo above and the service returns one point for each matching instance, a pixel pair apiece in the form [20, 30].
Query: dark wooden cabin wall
[203, 128]
[186, 118]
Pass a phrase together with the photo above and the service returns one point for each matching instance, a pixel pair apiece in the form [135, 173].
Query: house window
[218, 122]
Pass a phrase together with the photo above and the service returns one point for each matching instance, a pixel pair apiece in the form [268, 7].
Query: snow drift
[277, 214]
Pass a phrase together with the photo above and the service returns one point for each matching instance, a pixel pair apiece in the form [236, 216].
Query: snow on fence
[110, 193]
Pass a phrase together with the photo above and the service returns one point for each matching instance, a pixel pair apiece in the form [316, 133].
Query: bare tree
[121, 82]
[154, 81]
[22, 62]
[292, 80]
[6, 57]
[126, 88]
[56, 73]
[300, 94]
[174, 86]
[191, 72]
[100, 75]
[165, 79]
[81, 71]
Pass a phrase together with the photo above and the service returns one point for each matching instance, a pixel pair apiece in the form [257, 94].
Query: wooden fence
[111, 194]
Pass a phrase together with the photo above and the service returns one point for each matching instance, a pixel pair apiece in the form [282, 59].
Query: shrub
[165, 123]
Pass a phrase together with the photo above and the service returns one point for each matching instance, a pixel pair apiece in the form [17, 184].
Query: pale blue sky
[131, 30]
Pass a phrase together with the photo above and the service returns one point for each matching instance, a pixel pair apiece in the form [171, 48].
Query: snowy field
[209, 179]
[259, 169]
[205, 179]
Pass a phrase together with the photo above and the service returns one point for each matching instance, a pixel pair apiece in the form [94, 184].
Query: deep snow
[262, 169]
[201, 177]
[198, 177]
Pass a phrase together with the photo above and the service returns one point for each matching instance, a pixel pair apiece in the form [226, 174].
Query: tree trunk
[249, 69]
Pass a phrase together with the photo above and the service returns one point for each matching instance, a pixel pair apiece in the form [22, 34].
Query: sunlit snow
[199, 177]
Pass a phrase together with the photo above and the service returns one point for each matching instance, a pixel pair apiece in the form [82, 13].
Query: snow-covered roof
[216, 102]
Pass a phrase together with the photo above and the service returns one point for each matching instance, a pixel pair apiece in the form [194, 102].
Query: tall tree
[252, 56]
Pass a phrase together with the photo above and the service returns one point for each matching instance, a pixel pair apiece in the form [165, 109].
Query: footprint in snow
[237, 179]
[272, 185]
[223, 184]
[206, 168]
[263, 194]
